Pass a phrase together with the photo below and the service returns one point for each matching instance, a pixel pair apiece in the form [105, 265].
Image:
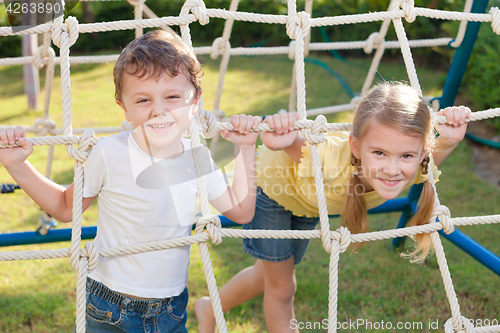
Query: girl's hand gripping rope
[242, 135]
[454, 131]
[285, 132]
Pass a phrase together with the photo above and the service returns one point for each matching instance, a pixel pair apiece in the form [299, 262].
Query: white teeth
[160, 127]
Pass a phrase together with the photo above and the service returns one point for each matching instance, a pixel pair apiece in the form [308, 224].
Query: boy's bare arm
[52, 198]
[238, 201]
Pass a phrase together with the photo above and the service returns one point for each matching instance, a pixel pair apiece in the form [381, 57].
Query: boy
[145, 182]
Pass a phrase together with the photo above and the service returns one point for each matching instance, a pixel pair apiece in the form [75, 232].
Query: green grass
[374, 284]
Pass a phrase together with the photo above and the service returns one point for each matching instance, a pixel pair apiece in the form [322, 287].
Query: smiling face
[160, 110]
[389, 159]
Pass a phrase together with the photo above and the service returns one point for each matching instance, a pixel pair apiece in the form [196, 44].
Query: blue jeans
[270, 215]
[109, 312]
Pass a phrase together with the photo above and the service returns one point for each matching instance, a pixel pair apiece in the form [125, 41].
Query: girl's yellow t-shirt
[292, 185]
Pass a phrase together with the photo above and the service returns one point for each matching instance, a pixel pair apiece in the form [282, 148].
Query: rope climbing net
[64, 33]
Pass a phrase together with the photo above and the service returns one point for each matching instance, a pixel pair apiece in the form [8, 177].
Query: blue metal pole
[61, 235]
[487, 142]
[461, 58]
[464, 242]
[52, 236]
[412, 199]
[394, 205]
[476, 250]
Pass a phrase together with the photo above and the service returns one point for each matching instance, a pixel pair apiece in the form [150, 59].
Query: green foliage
[103, 12]
[481, 83]
[9, 46]
[245, 33]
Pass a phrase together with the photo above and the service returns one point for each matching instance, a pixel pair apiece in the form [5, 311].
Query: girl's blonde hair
[399, 107]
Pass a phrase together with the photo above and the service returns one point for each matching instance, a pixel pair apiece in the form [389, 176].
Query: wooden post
[31, 75]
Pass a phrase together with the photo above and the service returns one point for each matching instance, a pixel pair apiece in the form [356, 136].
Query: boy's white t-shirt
[141, 200]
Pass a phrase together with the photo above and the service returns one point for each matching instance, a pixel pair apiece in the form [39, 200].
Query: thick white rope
[307, 38]
[203, 16]
[223, 45]
[376, 40]
[138, 9]
[407, 57]
[198, 7]
[333, 286]
[257, 234]
[219, 45]
[205, 210]
[239, 51]
[463, 26]
[43, 127]
[45, 56]
[214, 126]
[447, 282]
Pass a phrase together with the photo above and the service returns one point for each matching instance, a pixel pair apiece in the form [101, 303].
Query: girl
[388, 150]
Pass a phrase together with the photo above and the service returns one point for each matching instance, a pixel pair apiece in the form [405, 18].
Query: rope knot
[495, 20]
[345, 238]
[443, 214]
[219, 114]
[356, 100]
[197, 7]
[213, 225]
[408, 7]
[42, 55]
[342, 236]
[208, 124]
[373, 41]
[84, 145]
[315, 135]
[70, 27]
[57, 29]
[305, 22]
[462, 325]
[93, 254]
[218, 47]
[126, 126]
[300, 20]
[44, 126]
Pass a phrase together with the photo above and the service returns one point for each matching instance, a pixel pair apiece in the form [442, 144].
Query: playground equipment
[65, 32]
[8, 188]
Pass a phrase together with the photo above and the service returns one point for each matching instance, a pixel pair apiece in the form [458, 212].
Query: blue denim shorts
[270, 215]
[109, 311]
